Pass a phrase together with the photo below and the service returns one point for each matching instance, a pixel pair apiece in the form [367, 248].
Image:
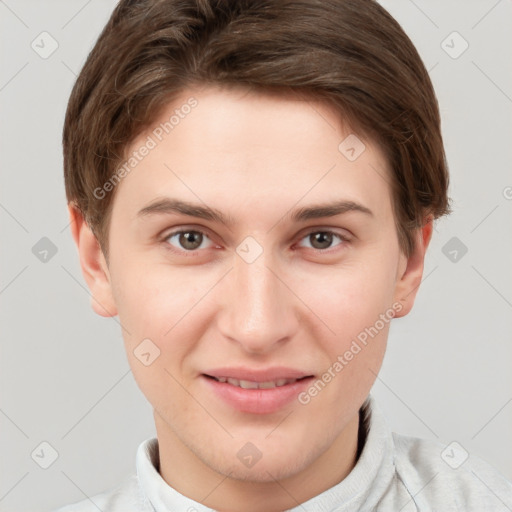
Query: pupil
[321, 240]
[191, 239]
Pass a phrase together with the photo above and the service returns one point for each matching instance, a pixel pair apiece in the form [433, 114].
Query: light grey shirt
[393, 473]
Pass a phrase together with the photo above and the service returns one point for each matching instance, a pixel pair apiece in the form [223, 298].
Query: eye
[321, 240]
[188, 240]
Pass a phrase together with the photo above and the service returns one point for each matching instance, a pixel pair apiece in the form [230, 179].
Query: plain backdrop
[64, 377]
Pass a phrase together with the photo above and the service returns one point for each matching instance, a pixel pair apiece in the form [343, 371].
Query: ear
[410, 271]
[94, 266]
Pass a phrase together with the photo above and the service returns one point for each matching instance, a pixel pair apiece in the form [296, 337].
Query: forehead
[239, 148]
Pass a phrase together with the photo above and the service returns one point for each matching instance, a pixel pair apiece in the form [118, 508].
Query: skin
[255, 158]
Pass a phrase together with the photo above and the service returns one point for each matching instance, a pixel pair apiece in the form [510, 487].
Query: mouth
[249, 384]
[264, 394]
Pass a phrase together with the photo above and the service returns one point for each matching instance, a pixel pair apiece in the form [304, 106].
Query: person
[252, 187]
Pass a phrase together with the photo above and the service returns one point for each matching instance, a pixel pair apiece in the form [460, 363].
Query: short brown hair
[350, 53]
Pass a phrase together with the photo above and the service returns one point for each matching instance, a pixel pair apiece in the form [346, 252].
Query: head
[253, 185]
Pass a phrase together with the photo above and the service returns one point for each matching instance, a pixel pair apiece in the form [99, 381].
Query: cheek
[159, 308]
[170, 307]
[153, 299]
[347, 299]
[355, 302]
[357, 307]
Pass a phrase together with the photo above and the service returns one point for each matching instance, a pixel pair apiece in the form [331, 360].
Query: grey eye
[322, 239]
[187, 240]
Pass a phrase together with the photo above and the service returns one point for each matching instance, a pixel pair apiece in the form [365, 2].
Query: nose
[258, 309]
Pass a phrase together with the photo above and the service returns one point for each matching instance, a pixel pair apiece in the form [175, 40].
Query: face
[248, 244]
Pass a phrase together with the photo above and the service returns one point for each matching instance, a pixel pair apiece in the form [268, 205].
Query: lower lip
[257, 401]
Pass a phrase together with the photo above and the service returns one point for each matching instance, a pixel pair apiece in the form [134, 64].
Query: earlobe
[93, 264]
[409, 279]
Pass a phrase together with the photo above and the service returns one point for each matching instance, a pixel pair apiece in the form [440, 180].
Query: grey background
[64, 377]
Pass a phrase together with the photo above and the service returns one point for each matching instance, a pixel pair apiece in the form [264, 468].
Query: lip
[257, 401]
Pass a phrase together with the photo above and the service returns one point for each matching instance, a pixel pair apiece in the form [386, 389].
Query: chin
[273, 464]
[263, 472]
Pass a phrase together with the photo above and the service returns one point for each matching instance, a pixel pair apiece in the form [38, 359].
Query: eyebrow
[169, 205]
[329, 210]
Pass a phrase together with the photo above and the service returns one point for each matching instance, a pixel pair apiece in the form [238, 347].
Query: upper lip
[258, 375]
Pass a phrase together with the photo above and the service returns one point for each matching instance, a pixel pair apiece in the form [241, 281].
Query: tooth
[247, 384]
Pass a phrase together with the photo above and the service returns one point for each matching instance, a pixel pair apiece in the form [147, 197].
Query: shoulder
[126, 496]
[447, 477]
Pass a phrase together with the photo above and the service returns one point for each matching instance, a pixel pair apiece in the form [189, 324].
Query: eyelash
[195, 252]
